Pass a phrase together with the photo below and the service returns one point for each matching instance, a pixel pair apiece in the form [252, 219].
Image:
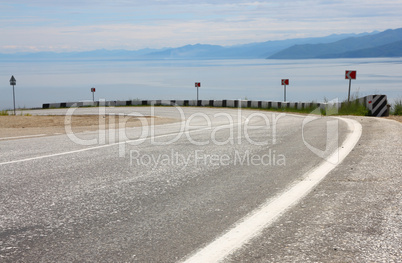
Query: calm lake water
[61, 81]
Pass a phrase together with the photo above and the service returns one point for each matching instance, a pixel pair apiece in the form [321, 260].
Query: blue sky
[78, 25]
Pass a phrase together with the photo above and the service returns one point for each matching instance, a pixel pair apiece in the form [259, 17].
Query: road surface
[186, 191]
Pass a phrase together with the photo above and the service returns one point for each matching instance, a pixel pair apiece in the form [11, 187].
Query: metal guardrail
[377, 105]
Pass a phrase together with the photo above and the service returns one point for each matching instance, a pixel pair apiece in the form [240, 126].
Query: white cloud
[90, 24]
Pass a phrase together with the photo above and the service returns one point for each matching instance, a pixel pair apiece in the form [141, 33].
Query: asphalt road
[163, 193]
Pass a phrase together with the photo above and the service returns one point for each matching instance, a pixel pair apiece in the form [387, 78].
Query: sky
[81, 25]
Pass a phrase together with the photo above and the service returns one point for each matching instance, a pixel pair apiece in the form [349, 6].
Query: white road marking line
[25, 136]
[95, 147]
[253, 224]
[103, 146]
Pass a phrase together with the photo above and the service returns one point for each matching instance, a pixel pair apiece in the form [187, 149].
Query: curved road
[204, 189]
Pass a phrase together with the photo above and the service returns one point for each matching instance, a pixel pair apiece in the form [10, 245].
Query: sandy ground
[16, 127]
[397, 118]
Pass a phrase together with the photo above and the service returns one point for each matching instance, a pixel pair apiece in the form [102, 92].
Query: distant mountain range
[384, 44]
[247, 51]
[390, 50]
[375, 44]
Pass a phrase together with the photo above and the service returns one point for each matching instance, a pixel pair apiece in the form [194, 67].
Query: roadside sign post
[350, 74]
[13, 82]
[197, 85]
[285, 82]
[93, 94]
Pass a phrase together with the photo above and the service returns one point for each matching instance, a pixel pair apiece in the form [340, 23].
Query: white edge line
[101, 146]
[254, 223]
[25, 136]
[96, 147]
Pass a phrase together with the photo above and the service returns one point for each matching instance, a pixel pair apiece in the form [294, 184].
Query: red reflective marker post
[93, 94]
[350, 74]
[197, 85]
[285, 82]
